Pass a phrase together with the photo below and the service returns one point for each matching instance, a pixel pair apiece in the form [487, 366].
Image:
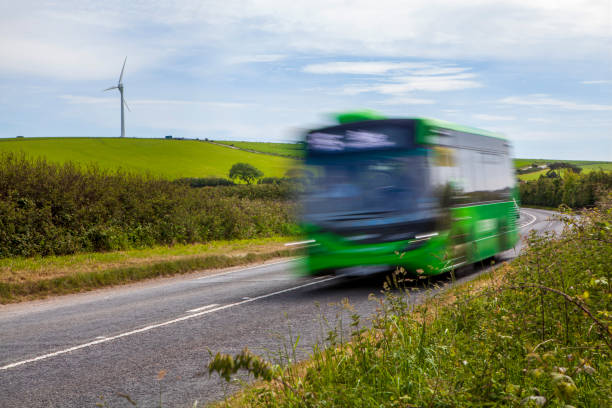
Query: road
[71, 351]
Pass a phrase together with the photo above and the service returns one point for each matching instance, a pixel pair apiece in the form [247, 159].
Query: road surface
[80, 350]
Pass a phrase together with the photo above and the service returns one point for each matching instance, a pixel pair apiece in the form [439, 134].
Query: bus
[422, 194]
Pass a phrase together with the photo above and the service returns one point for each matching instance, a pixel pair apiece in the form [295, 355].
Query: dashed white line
[199, 309]
[246, 269]
[155, 326]
[194, 312]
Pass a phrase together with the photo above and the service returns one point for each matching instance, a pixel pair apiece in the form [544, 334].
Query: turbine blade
[112, 87]
[126, 105]
[121, 76]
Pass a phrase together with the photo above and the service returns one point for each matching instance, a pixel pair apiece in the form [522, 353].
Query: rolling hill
[192, 158]
[160, 157]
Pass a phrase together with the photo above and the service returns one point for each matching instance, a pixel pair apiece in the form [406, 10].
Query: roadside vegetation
[31, 278]
[535, 332]
[52, 209]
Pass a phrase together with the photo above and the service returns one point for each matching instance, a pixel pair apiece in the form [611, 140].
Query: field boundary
[286, 156]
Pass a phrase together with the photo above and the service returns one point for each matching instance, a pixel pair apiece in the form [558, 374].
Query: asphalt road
[80, 350]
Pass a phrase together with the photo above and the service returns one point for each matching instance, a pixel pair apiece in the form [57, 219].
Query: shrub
[205, 182]
[271, 180]
[52, 209]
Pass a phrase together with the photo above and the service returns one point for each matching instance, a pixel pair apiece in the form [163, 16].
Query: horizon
[23, 138]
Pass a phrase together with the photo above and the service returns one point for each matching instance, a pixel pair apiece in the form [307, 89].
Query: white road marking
[246, 269]
[199, 309]
[533, 219]
[309, 241]
[102, 339]
[155, 326]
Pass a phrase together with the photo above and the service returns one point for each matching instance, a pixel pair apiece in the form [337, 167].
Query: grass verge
[535, 332]
[31, 278]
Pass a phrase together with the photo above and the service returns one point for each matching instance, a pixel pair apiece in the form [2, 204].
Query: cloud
[360, 67]
[406, 101]
[539, 120]
[403, 84]
[89, 100]
[246, 59]
[84, 39]
[542, 100]
[484, 116]
[597, 82]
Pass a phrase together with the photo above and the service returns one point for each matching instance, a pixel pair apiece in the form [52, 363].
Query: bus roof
[365, 115]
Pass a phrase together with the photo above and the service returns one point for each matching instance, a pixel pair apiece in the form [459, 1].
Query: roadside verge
[34, 278]
[534, 332]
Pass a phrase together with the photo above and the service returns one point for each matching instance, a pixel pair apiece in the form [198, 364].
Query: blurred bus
[423, 194]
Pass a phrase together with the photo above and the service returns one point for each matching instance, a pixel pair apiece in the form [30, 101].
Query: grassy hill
[166, 158]
[190, 158]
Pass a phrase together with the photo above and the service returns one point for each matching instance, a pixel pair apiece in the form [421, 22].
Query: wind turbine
[123, 102]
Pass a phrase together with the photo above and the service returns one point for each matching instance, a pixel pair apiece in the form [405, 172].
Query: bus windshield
[365, 190]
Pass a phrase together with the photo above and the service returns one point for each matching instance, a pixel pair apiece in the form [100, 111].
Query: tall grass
[536, 332]
[55, 209]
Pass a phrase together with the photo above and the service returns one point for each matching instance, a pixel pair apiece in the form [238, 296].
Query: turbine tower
[123, 102]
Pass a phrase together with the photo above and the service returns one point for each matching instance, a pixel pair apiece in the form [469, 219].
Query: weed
[531, 333]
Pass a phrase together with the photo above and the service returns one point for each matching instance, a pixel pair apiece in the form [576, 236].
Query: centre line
[199, 309]
[533, 219]
[246, 269]
[155, 326]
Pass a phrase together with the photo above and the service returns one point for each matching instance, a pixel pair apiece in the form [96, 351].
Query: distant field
[285, 149]
[518, 163]
[607, 166]
[532, 176]
[586, 166]
[166, 158]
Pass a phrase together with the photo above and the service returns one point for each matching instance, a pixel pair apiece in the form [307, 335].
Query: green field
[166, 158]
[585, 164]
[284, 149]
[190, 158]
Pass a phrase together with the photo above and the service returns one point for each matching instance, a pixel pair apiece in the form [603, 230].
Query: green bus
[422, 194]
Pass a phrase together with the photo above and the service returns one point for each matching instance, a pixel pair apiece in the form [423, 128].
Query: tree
[245, 172]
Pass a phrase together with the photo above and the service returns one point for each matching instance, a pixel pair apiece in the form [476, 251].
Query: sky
[539, 72]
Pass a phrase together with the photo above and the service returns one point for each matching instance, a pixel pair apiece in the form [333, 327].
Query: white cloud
[403, 84]
[360, 67]
[597, 82]
[84, 39]
[539, 120]
[245, 59]
[406, 101]
[89, 100]
[543, 100]
[484, 116]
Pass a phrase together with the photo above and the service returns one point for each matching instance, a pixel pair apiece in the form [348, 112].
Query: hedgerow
[571, 189]
[54, 209]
